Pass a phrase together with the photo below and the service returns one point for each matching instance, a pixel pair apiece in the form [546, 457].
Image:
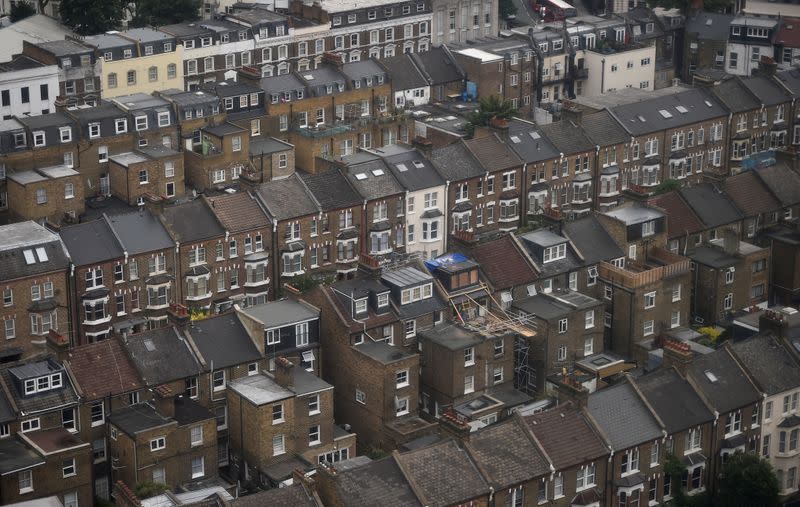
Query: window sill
[314, 412]
[25, 490]
[314, 444]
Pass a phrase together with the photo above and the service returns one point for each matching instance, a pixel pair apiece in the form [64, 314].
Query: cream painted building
[629, 68]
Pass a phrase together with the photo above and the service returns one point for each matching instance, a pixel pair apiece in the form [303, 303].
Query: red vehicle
[553, 10]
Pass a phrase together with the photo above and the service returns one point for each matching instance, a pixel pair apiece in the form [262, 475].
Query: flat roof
[479, 54]
[260, 389]
[128, 158]
[634, 214]
[23, 234]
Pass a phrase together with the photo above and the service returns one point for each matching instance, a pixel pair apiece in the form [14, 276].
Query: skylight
[708, 103]
[401, 167]
[641, 118]
[681, 109]
[710, 376]
[361, 176]
[535, 135]
[665, 113]
[149, 345]
[42, 254]
[419, 164]
[377, 172]
[515, 139]
[29, 257]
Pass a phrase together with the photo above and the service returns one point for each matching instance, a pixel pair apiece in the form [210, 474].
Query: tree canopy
[22, 10]
[491, 107]
[747, 480]
[161, 12]
[507, 8]
[90, 17]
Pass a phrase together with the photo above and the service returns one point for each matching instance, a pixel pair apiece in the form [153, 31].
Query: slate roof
[622, 416]
[566, 436]
[503, 264]
[331, 190]
[710, 26]
[766, 90]
[443, 473]
[715, 257]
[437, 65]
[412, 178]
[403, 73]
[729, 388]
[783, 182]
[674, 400]
[456, 162]
[290, 496]
[6, 410]
[773, 367]
[135, 418]
[22, 236]
[603, 129]
[192, 221]
[40, 402]
[188, 411]
[694, 100]
[749, 194]
[281, 313]
[287, 198]
[567, 137]
[592, 240]
[380, 482]
[681, 218]
[711, 205]
[91, 242]
[238, 212]
[532, 145]
[508, 454]
[103, 369]
[370, 176]
[139, 232]
[339, 292]
[735, 95]
[223, 341]
[492, 153]
[14, 455]
[161, 356]
[791, 79]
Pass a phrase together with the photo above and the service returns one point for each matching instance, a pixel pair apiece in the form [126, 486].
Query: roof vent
[708, 103]
[710, 376]
[788, 310]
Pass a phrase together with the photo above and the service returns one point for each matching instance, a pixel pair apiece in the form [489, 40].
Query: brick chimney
[450, 424]
[774, 322]
[179, 316]
[423, 145]
[58, 344]
[369, 266]
[569, 388]
[730, 241]
[677, 354]
[164, 401]
[284, 375]
[124, 495]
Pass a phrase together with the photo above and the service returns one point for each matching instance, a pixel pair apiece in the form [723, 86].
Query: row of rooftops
[713, 26]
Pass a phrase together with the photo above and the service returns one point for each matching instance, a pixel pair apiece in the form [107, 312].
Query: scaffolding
[481, 319]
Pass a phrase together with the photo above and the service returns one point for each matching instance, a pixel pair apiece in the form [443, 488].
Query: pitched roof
[140, 232]
[444, 474]
[567, 137]
[783, 182]
[503, 264]
[710, 26]
[370, 176]
[681, 218]
[192, 221]
[411, 168]
[592, 240]
[331, 190]
[735, 95]
[566, 436]
[527, 141]
[772, 366]
[103, 369]
[643, 117]
[223, 341]
[437, 65]
[28, 249]
[721, 379]
[379, 482]
[41, 402]
[603, 129]
[456, 162]
[14, 455]
[766, 90]
[403, 73]
[626, 427]
[139, 417]
[711, 205]
[287, 198]
[238, 212]
[161, 355]
[675, 401]
[290, 496]
[749, 194]
[91, 242]
[508, 454]
[492, 153]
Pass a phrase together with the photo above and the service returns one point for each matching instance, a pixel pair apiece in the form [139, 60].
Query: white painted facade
[464, 20]
[412, 97]
[774, 410]
[22, 91]
[742, 59]
[418, 229]
[632, 68]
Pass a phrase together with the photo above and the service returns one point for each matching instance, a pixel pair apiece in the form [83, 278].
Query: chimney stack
[567, 387]
[772, 321]
[179, 316]
[284, 375]
[165, 401]
[677, 354]
[730, 242]
[451, 425]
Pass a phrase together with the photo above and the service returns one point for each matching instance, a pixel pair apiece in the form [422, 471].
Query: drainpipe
[602, 75]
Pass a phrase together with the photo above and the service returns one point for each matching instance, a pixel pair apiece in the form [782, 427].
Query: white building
[749, 39]
[629, 68]
[27, 87]
[464, 20]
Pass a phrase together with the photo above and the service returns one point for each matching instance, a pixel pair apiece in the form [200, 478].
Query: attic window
[401, 167]
[665, 113]
[681, 109]
[377, 172]
[515, 139]
[708, 103]
[535, 135]
[29, 258]
[419, 164]
[361, 176]
[383, 300]
[710, 376]
[361, 306]
[149, 345]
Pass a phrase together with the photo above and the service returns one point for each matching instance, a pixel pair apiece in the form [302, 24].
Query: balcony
[659, 265]
[349, 124]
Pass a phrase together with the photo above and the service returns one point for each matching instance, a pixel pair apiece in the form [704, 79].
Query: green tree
[90, 17]
[161, 12]
[747, 480]
[666, 186]
[490, 108]
[507, 8]
[147, 489]
[22, 10]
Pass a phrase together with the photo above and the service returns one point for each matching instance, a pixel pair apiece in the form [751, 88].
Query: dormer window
[383, 300]
[418, 293]
[648, 228]
[554, 253]
[361, 306]
[42, 384]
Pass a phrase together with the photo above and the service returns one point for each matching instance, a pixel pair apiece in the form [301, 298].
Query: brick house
[690, 431]
[784, 183]
[337, 198]
[102, 390]
[555, 259]
[754, 199]
[672, 144]
[635, 228]
[715, 209]
[129, 284]
[244, 222]
[54, 194]
[220, 158]
[33, 279]
[705, 43]
[505, 267]
[378, 396]
[614, 148]
[289, 413]
[727, 275]
[149, 171]
[271, 158]
[171, 442]
[151, 119]
[193, 111]
[596, 245]
[636, 438]
[568, 328]
[539, 155]
[685, 230]
[579, 463]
